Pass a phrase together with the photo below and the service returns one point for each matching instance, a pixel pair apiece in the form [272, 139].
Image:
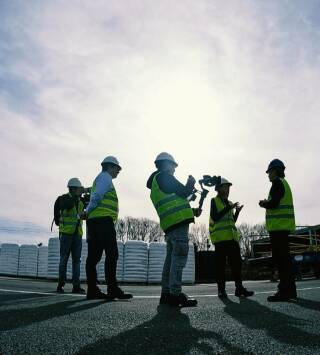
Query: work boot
[283, 297]
[60, 287]
[222, 294]
[182, 300]
[78, 289]
[96, 294]
[118, 293]
[243, 292]
[165, 298]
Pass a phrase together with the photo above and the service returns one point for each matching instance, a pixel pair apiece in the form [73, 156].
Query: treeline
[130, 228]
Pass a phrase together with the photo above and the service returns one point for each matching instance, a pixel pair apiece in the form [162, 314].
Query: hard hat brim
[170, 161]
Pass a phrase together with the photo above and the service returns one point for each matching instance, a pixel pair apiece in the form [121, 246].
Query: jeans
[101, 237]
[73, 244]
[281, 257]
[176, 259]
[228, 249]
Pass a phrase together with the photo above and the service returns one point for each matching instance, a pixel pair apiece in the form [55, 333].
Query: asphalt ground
[36, 320]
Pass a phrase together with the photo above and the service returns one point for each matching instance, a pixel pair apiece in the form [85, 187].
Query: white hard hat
[223, 182]
[111, 160]
[165, 156]
[74, 182]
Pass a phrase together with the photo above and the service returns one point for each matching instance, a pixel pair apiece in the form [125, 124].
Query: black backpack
[56, 212]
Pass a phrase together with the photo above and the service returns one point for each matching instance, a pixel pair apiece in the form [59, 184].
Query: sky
[224, 86]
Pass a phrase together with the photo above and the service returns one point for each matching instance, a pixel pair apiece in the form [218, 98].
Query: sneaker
[243, 292]
[282, 297]
[118, 293]
[222, 294]
[165, 298]
[182, 300]
[79, 290]
[97, 295]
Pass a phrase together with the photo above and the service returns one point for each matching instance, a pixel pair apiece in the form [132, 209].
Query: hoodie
[169, 184]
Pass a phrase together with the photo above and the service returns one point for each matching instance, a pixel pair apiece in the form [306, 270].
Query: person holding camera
[101, 215]
[225, 237]
[169, 198]
[67, 210]
[280, 222]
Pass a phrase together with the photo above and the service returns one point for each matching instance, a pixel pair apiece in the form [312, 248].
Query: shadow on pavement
[282, 327]
[169, 332]
[305, 303]
[16, 318]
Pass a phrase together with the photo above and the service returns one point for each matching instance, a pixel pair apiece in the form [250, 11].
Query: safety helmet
[274, 164]
[111, 160]
[165, 157]
[222, 182]
[74, 182]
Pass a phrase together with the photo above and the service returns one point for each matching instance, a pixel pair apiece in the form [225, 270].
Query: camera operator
[169, 198]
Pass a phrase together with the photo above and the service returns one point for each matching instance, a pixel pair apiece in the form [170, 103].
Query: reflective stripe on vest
[225, 228]
[282, 217]
[69, 220]
[170, 208]
[108, 206]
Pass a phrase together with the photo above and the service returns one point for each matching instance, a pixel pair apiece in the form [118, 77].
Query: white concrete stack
[135, 261]
[53, 258]
[84, 254]
[28, 260]
[43, 261]
[157, 255]
[9, 259]
[188, 275]
[120, 261]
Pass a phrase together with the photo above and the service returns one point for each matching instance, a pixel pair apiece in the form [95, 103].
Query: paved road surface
[36, 320]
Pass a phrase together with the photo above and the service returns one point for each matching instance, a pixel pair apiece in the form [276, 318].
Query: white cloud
[225, 87]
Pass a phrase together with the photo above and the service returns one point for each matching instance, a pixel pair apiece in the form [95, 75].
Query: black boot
[182, 300]
[96, 294]
[243, 292]
[281, 296]
[118, 293]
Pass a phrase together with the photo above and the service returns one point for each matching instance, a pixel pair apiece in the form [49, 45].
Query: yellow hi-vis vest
[282, 217]
[171, 208]
[224, 229]
[69, 219]
[108, 206]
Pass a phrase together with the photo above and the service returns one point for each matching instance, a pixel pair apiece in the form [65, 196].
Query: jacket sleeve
[214, 214]
[169, 184]
[276, 193]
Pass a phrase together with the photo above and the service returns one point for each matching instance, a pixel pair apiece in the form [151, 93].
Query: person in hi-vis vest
[225, 237]
[280, 222]
[102, 214]
[70, 207]
[170, 199]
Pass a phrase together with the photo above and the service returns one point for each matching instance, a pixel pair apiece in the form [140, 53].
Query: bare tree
[199, 235]
[248, 234]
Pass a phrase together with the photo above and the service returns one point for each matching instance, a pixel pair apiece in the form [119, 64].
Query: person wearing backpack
[67, 211]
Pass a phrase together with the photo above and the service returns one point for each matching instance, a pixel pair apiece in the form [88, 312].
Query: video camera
[210, 181]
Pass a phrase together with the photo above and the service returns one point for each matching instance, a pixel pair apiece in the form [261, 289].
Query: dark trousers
[228, 249]
[101, 237]
[282, 260]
